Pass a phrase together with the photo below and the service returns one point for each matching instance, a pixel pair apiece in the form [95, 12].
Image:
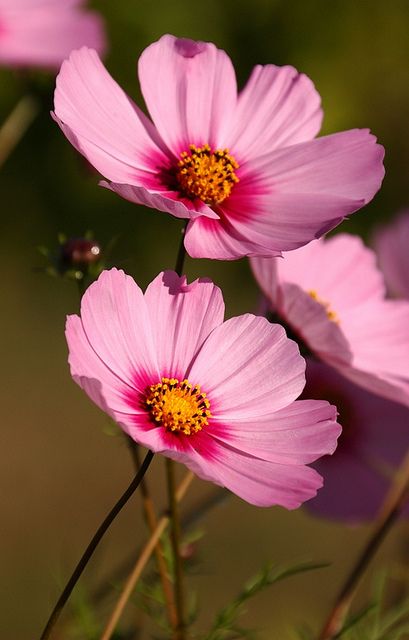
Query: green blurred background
[59, 471]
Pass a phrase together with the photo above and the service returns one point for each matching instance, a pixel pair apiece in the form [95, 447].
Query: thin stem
[175, 535]
[388, 514]
[152, 522]
[142, 561]
[16, 125]
[194, 515]
[55, 614]
[180, 260]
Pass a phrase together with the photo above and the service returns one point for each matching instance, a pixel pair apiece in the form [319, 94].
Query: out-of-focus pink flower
[392, 247]
[41, 33]
[244, 168]
[333, 296]
[374, 441]
[217, 396]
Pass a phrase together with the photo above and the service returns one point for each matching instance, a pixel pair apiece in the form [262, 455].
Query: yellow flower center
[331, 315]
[178, 406]
[206, 174]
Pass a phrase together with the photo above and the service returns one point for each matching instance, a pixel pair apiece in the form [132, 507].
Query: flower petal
[181, 317]
[391, 245]
[308, 189]
[297, 434]
[189, 89]
[257, 481]
[248, 368]
[100, 383]
[278, 107]
[36, 35]
[117, 325]
[101, 121]
[219, 240]
[162, 201]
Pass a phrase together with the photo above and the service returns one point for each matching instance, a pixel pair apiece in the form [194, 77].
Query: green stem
[89, 551]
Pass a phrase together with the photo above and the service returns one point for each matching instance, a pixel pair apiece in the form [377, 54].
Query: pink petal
[181, 317]
[35, 34]
[219, 240]
[374, 441]
[257, 481]
[90, 372]
[391, 245]
[248, 368]
[297, 434]
[379, 338]
[350, 277]
[190, 91]
[104, 125]
[278, 107]
[163, 201]
[117, 325]
[309, 188]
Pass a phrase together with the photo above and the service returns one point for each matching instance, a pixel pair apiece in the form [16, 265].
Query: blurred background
[60, 470]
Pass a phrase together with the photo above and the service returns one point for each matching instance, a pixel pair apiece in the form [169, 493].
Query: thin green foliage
[225, 625]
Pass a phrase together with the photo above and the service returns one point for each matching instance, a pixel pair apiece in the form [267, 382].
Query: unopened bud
[79, 253]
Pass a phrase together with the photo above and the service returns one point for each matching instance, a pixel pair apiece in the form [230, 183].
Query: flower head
[218, 396]
[332, 295]
[41, 33]
[244, 168]
[373, 443]
[392, 248]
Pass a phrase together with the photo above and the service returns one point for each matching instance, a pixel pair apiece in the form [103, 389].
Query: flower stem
[180, 260]
[388, 514]
[142, 561]
[16, 125]
[55, 614]
[152, 522]
[175, 535]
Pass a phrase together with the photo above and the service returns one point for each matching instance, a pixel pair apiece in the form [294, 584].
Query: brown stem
[175, 535]
[142, 561]
[388, 514]
[15, 126]
[152, 522]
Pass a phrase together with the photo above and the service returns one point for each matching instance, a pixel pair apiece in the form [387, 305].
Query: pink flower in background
[333, 296]
[218, 396]
[244, 168]
[392, 247]
[373, 443]
[41, 33]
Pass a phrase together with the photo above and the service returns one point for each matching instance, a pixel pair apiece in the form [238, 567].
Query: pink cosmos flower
[244, 168]
[333, 296]
[218, 396]
[392, 247]
[373, 443]
[41, 33]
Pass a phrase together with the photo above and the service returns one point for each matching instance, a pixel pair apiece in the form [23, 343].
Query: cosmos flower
[41, 33]
[332, 295]
[373, 443]
[244, 168]
[218, 396]
[392, 248]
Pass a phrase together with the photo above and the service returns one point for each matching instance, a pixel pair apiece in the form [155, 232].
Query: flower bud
[79, 253]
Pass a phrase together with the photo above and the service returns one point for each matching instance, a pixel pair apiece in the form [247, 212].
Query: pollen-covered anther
[206, 174]
[331, 315]
[178, 406]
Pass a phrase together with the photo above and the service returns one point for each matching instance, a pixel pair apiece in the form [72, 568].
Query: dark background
[59, 471]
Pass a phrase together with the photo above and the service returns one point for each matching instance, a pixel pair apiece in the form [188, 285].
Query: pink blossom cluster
[247, 172]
